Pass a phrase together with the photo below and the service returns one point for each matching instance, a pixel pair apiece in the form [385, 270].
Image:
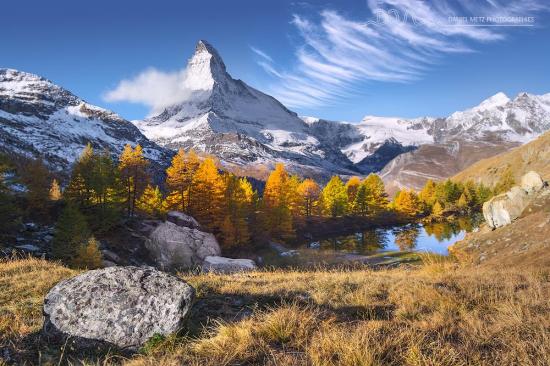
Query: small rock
[31, 226]
[227, 265]
[315, 245]
[289, 253]
[124, 306]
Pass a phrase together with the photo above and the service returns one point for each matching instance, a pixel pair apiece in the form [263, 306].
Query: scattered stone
[315, 245]
[532, 182]
[124, 306]
[31, 226]
[290, 253]
[227, 265]
[175, 247]
[181, 219]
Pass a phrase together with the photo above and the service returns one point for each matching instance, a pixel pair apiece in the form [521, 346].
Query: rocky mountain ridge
[247, 128]
[41, 119]
[250, 131]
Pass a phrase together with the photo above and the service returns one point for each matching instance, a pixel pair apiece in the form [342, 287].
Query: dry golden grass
[438, 314]
[23, 284]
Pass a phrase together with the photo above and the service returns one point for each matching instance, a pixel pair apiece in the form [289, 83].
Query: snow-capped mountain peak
[40, 118]
[239, 124]
[497, 100]
[205, 68]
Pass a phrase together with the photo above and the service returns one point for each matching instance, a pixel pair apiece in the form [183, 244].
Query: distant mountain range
[251, 131]
[41, 119]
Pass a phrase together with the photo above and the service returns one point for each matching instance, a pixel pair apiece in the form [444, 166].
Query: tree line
[102, 192]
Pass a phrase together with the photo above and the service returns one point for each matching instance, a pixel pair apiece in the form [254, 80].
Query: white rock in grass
[227, 265]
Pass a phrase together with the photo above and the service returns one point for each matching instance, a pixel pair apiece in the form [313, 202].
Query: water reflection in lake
[435, 237]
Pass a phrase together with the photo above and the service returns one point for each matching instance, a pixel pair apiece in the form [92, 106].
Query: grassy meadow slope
[436, 314]
[534, 155]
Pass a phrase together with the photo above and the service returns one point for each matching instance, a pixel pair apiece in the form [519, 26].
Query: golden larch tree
[133, 172]
[179, 179]
[207, 206]
[309, 192]
[277, 204]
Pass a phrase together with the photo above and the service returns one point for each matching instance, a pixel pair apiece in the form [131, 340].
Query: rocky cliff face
[39, 118]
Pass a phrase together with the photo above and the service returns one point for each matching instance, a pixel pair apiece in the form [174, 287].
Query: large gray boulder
[124, 306]
[501, 210]
[532, 182]
[174, 247]
[227, 265]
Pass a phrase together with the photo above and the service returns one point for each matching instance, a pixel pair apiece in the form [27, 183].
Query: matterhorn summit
[240, 125]
[205, 69]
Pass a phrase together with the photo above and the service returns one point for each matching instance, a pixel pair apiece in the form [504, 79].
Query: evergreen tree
[293, 195]
[228, 232]
[71, 231]
[360, 204]
[309, 192]
[428, 194]
[448, 192]
[81, 189]
[107, 192]
[36, 176]
[180, 179]
[8, 210]
[88, 255]
[482, 194]
[335, 197]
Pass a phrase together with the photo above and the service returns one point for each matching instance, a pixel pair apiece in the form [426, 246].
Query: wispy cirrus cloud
[398, 43]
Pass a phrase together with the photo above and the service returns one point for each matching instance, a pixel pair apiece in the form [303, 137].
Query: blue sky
[339, 60]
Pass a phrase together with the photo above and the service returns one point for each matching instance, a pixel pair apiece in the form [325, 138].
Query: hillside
[523, 243]
[534, 155]
[439, 314]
